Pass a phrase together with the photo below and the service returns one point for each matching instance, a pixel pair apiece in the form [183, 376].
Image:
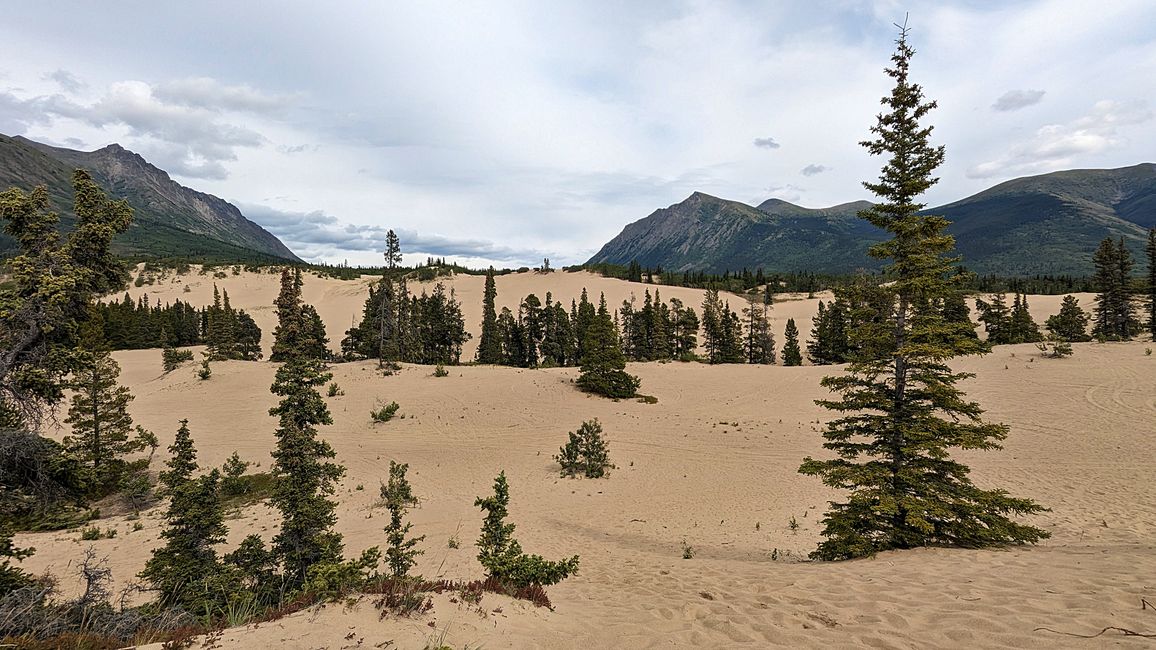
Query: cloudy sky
[510, 131]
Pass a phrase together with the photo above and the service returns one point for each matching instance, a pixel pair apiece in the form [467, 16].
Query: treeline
[744, 280]
[137, 324]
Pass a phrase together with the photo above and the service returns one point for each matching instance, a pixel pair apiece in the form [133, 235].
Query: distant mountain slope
[712, 234]
[169, 219]
[1049, 224]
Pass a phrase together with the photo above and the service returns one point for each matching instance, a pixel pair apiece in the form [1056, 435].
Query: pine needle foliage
[186, 571]
[1150, 284]
[900, 410]
[102, 429]
[502, 555]
[792, 354]
[401, 550]
[586, 453]
[603, 363]
[304, 479]
[1071, 323]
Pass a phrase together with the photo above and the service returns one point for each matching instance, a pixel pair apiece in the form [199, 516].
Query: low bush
[384, 413]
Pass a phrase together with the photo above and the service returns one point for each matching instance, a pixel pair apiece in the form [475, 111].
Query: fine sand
[712, 466]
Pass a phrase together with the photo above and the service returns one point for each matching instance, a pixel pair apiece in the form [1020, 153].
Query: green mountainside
[169, 220]
[1048, 224]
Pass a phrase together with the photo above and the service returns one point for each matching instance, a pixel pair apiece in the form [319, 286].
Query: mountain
[706, 233]
[1048, 224]
[169, 219]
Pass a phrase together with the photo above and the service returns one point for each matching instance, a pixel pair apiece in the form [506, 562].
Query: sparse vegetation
[384, 412]
[586, 453]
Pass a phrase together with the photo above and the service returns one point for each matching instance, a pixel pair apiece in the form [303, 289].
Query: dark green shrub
[384, 413]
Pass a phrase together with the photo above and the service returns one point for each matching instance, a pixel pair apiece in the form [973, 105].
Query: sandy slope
[712, 465]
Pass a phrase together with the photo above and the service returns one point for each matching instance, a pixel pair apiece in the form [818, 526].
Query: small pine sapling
[205, 372]
[586, 453]
[384, 413]
[397, 495]
[231, 472]
[502, 555]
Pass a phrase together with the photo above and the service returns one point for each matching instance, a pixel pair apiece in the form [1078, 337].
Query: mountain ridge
[170, 220]
[1048, 224]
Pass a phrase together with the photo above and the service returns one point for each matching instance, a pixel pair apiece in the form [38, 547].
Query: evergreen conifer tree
[1114, 317]
[182, 462]
[304, 479]
[901, 412]
[1150, 289]
[1023, 326]
[490, 345]
[52, 285]
[996, 319]
[604, 365]
[186, 570]
[502, 555]
[1071, 323]
[397, 495]
[760, 343]
[289, 332]
[792, 355]
[101, 426]
[586, 452]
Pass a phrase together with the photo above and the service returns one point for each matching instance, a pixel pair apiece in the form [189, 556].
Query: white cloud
[1057, 146]
[208, 93]
[767, 143]
[814, 169]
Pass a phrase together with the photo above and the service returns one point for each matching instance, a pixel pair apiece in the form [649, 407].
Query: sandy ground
[712, 465]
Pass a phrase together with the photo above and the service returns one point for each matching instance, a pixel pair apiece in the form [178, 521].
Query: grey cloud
[1014, 100]
[316, 234]
[766, 143]
[210, 94]
[185, 140]
[813, 169]
[66, 80]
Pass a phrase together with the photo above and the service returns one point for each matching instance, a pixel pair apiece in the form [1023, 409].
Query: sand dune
[711, 465]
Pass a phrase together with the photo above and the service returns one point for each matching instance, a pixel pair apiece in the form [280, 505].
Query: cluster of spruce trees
[1007, 326]
[1119, 301]
[136, 324]
[396, 326]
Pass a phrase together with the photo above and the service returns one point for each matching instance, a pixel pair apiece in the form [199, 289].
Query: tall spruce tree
[50, 291]
[304, 479]
[288, 334]
[186, 571]
[490, 345]
[1150, 289]
[603, 364]
[102, 429]
[900, 411]
[1114, 317]
[760, 342]
[792, 354]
